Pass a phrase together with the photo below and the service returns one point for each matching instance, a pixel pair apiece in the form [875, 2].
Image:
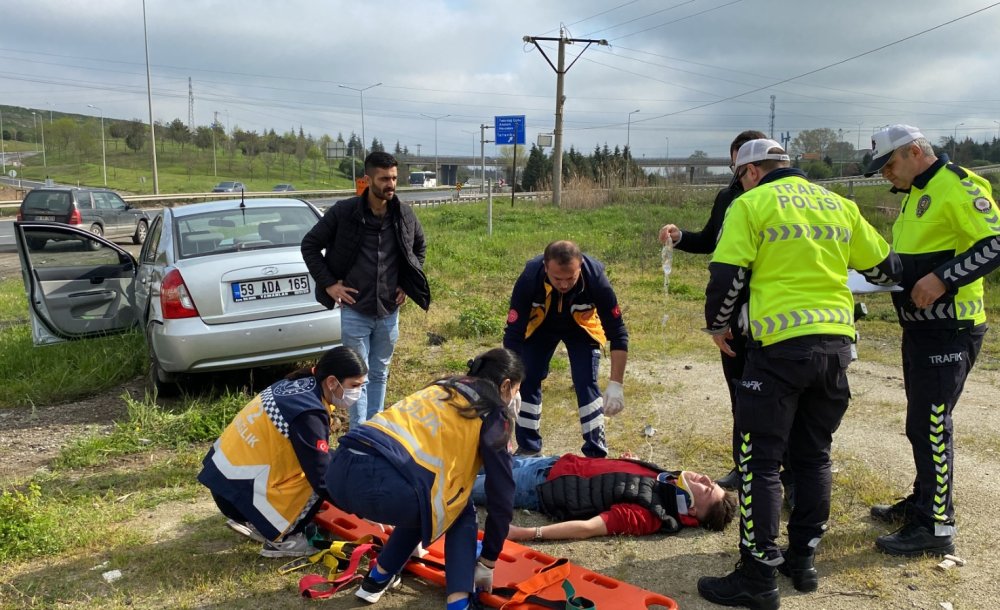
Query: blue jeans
[529, 473]
[373, 339]
[372, 488]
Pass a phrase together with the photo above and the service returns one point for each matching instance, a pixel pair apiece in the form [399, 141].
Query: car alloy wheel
[140, 233]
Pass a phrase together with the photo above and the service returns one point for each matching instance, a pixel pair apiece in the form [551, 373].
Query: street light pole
[954, 141]
[104, 158]
[3, 155]
[149, 99]
[215, 167]
[361, 92]
[435, 119]
[628, 144]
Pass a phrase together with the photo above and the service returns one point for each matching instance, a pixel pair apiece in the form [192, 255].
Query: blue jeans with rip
[374, 339]
[529, 473]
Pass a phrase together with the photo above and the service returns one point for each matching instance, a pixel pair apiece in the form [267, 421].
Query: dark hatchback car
[100, 211]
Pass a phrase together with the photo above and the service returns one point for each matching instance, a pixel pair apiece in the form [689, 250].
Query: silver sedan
[217, 286]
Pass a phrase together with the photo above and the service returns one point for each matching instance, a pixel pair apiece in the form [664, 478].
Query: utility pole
[560, 70]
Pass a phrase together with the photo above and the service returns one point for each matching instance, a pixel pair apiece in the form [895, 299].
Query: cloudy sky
[697, 71]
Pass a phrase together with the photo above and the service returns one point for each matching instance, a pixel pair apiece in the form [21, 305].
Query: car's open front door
[78, 285]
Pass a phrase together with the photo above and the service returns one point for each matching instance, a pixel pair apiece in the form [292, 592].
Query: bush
[25, 529]
[480, 321]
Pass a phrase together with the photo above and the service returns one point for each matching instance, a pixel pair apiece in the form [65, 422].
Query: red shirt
[621, 519]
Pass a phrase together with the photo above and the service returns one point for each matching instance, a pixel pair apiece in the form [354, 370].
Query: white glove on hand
[483, 578]
[614, 399]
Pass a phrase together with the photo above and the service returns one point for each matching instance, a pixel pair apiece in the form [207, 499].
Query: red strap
[315, 586]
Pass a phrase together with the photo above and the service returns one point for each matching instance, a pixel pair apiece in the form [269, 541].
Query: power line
[826, 67]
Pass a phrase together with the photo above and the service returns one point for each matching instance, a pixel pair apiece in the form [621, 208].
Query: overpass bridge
[449, 164]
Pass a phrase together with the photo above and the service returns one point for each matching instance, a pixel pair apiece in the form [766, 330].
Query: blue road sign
[509, 129]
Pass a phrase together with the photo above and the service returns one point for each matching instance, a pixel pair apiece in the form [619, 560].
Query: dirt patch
[31, 436]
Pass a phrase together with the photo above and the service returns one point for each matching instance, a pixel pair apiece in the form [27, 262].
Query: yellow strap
[331, 558]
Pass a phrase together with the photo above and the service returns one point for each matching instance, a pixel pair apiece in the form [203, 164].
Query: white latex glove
[483, 578]
[614, 399]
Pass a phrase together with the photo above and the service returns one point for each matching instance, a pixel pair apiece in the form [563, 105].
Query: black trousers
[792, 397]
[935, 366]
[732, 368]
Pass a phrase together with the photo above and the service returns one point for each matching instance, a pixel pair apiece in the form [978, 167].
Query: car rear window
[233, 230]
[42, 202]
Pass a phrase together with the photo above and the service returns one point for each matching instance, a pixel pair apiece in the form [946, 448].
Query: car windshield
[46, 202]
[226, 185]
[234, 230]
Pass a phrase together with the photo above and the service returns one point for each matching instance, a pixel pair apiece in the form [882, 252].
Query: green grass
[179, 171]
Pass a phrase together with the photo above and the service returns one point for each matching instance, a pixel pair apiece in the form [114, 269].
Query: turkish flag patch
[323, 446]
[616, 312]
[511, 316]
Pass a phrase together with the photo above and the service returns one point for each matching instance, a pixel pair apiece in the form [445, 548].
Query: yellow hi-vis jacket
[427, 434]
[253, 464]
[797, 241]
[948, 225]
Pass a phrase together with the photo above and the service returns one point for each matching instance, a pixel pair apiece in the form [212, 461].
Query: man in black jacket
[367, 255]
[703, 242]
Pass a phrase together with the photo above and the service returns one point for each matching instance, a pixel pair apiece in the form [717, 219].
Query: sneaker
[296, 545]
[900, 512]
[751, 584]
[245, 529]
[913, 540]
[372, 591]
[521, 452]
[800, 569]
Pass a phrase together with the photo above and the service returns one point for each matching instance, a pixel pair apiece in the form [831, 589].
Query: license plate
[270, 288]
[45, 217]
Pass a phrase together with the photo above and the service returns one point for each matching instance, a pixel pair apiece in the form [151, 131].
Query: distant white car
[217, 286]
[229, 187]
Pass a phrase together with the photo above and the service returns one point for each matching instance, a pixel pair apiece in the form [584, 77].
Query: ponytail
[340, 362]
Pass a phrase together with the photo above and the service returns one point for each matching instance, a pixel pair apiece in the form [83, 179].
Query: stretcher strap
[526, 592]
[315, 586]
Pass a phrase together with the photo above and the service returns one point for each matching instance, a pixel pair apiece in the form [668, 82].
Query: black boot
[799, 567]
[752, 584]
[913, 540]
[731, 480]
[900, 512]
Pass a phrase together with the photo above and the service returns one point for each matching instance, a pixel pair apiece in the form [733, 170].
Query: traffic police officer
[948, 237]
[799, 240]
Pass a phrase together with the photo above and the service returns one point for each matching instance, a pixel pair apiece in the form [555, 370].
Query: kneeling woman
[267, 470]
[413, 466]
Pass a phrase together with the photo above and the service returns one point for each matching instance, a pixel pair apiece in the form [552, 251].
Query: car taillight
[20, 216]
[175, 300]
[75, 218]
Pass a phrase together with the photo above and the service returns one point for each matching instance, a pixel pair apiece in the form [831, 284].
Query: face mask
[350, 397]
